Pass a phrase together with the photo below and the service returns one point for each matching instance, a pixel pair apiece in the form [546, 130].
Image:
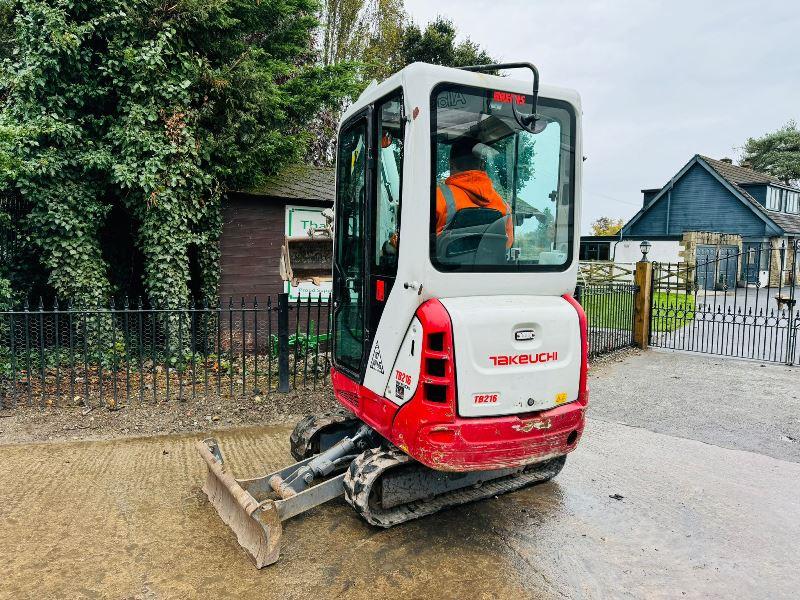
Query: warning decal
[376, 363]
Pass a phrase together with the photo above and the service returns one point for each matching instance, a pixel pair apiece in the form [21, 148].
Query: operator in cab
[468, 186]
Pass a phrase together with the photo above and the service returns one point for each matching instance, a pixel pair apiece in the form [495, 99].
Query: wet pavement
[635, 514]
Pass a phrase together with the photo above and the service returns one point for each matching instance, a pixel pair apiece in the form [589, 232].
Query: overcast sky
[660, 81]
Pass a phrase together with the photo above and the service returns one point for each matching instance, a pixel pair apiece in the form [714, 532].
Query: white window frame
[773, 200]
[792, 202]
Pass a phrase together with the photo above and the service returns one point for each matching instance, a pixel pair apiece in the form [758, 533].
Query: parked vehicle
[459, 355]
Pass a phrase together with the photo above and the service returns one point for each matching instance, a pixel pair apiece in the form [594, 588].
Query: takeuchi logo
[523, 359]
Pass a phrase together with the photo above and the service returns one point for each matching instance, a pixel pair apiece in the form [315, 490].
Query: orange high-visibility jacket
[471, 189]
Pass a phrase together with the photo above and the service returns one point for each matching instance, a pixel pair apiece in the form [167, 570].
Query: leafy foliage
[366, 35]
[157, 108]
[777, 153]
[376, 35]
[606, 226]
[7, 170]
[368, 32]
[436, 44]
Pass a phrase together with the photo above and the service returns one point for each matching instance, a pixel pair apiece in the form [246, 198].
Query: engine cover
[514, 354]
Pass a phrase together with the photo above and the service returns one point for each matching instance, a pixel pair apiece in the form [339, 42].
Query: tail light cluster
[438, 372]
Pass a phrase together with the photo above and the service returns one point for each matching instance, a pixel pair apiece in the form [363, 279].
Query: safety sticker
[561, 398]
[376, 362]
[402, 384]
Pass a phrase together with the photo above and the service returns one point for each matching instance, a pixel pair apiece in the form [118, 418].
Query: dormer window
[773, 198]
[792, 202]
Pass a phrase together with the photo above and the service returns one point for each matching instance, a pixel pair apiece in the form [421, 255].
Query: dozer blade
[256, 524]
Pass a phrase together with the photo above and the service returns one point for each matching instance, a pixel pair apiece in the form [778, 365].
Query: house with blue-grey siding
[711, 207]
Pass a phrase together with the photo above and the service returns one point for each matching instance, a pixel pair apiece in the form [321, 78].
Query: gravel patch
[33, 423]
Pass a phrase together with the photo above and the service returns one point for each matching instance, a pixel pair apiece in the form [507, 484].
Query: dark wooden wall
[250, 246]
[252, 235]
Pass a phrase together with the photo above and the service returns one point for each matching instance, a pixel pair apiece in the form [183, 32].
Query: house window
[792, 202]
[773, 198]
[595, 251]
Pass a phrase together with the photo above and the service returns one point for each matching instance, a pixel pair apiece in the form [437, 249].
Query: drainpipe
[614, 253]
[669, 203]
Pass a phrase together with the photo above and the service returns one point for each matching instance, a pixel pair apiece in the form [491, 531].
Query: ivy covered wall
[145, 113]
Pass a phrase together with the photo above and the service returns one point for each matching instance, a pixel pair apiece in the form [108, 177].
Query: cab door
[369, 165]
[353, 191]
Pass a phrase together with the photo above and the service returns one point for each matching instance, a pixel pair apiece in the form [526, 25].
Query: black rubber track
[366, 470]
[304, 441]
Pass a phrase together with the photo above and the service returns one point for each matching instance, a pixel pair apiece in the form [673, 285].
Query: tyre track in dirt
[126, 519]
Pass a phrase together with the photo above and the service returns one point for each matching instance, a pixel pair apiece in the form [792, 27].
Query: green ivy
[158, 107]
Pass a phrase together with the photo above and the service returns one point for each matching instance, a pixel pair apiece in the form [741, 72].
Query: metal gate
[731, 302]
[716, 271]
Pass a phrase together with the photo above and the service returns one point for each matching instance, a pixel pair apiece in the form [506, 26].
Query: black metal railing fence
[132, 353]
[738, 302]
[62, 355]
[610, 311]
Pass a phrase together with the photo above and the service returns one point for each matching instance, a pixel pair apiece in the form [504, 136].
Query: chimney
[726, 160]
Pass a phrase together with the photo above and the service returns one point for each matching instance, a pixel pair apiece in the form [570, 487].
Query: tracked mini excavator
[459, 355]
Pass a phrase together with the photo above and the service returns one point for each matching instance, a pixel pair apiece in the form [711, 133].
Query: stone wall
[791, 268]
[692, 239]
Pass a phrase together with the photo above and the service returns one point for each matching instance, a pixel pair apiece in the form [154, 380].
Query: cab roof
[418, 79]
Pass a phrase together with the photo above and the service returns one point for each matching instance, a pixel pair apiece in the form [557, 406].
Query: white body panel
[414, 264]
[497, 374]
[404, 377]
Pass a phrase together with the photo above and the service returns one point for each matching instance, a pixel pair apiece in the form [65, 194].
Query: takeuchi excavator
[459, 356]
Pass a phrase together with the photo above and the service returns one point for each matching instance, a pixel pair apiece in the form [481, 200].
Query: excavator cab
[459, 356]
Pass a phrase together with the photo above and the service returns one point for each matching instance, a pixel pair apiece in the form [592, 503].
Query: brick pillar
[775, 262]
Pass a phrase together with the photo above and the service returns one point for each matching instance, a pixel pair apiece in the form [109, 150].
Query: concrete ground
[737, 404]
[660, 507]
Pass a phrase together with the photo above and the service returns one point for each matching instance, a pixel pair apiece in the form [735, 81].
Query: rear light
[435, 392]
[438, 375]
[436, 367]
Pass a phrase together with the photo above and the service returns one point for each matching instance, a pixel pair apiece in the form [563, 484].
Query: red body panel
[429, 429]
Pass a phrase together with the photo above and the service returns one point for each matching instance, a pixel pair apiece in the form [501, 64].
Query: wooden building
[256, 222]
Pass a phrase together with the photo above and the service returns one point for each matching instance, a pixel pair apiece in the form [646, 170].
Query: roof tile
[300, 182]
[739, 176]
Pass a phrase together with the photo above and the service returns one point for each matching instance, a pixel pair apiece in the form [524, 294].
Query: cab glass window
[503, 197]
[389, 188]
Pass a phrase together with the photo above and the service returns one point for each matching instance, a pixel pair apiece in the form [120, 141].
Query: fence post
[283, 342]
[643, 278]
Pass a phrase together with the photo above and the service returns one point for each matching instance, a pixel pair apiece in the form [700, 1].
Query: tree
[376, 36]
[7, 170]
[436, 44]
[156, 109]
[364, 34]
[367, 32]
[776, 154]
[606, 226]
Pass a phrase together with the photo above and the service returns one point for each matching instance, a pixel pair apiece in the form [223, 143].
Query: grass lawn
[608, 309]
[672, 310]
[614, 309]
